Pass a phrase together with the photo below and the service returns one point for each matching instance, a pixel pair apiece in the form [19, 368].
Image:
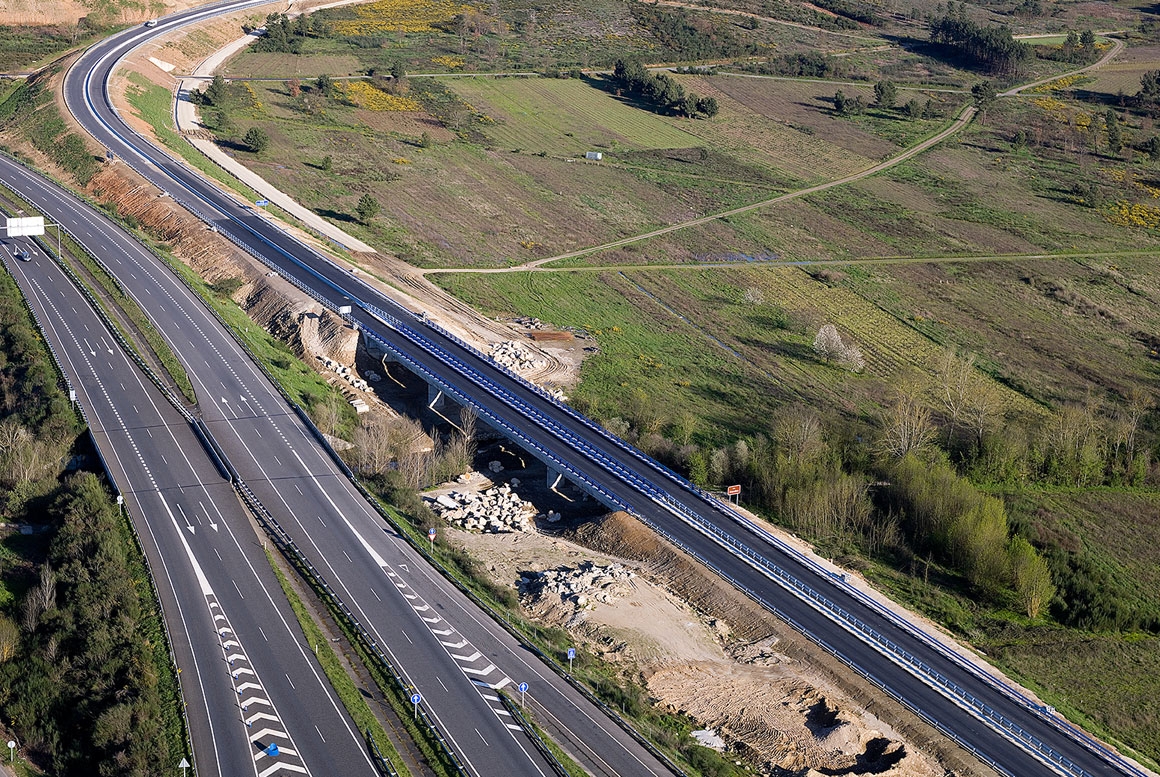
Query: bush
[257, 139]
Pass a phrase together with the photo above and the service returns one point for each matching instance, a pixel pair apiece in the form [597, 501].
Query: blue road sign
[272, 750]
[416, 698]
[261, 203]
[431, 532]
[523, 687]
[571, 653]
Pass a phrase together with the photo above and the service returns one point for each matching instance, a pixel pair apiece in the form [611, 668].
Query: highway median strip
[342, 683]
[95, 273]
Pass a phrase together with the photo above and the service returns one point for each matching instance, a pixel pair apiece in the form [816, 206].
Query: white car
[151, 23]
[21, 254]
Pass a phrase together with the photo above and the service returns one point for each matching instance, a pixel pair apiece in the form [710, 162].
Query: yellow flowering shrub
[449, 62]
[371, 98]
[1127, 214]
[1059, 84]
[399, 16]
[1049, 104]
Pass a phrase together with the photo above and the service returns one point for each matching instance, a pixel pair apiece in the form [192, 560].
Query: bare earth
[21, 12]
[725, 663]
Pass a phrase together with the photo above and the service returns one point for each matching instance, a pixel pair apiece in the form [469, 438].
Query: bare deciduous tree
[957, 380]
[906, 425]
[798, 434]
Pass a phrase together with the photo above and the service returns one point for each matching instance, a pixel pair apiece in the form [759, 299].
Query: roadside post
[523, 689]
[11, 751]
[415, 699]
[571, 656]
[183, 766]
[431, 539]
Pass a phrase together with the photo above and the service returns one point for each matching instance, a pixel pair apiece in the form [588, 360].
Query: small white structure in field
[594, 156]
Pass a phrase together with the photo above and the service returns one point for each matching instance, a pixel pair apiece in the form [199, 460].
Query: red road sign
[733, 490]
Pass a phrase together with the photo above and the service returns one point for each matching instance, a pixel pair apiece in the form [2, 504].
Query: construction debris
[515, 356]
[582, 586]
[496, 510]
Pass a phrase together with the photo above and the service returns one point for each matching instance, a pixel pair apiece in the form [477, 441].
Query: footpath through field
[187, 123]
[961, 121]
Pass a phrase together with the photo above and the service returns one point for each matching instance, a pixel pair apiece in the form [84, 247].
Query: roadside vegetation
[980, 438]
[86, 683]
[26, 48]
[952, 415]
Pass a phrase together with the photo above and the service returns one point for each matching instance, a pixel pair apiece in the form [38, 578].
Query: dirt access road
[963, 119]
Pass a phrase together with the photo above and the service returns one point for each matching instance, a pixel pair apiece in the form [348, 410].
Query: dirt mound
[619, 534]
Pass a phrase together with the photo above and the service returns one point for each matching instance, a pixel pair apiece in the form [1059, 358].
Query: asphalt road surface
[245, 672]
[975, 711]
[445, 647]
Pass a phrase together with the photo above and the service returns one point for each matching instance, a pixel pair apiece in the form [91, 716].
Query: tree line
[660, 91]
[990, 48]
[904, 488]
[284, 35]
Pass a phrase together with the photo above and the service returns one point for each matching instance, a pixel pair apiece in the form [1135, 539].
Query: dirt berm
[781, 682]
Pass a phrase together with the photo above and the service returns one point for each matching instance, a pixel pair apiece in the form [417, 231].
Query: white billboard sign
[27, 226]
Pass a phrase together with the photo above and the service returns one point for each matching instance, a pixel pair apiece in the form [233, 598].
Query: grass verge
[131, 310]
[303, 385]
[154, 105]
[356, 706]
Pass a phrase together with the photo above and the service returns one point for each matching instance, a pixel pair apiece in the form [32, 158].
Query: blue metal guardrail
[1039, 749]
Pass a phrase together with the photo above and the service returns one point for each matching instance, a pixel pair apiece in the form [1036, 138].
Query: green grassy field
[566, 117]
[732, 347]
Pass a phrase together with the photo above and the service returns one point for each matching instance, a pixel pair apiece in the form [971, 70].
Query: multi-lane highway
[245, 669]
[443, 645]
[1003, 728]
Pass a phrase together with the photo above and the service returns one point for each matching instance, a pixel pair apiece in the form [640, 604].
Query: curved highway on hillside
[244, 666]
[1002, 727]
[442, 645]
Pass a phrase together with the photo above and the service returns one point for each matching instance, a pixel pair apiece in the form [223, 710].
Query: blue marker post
[571, 655]
[431, 539]
[415, 699]
[523, 689]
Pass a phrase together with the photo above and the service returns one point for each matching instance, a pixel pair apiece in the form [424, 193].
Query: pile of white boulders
[496, 510]
[514, 356]
[582, 586]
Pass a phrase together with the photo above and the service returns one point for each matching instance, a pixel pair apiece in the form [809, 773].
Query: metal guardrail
[79, 408]
[289, 548]
[1030, 743]
[382, 763]
[680, 510]
[517, 714]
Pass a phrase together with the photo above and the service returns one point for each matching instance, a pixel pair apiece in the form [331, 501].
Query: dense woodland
[990, 49]
[85, 680]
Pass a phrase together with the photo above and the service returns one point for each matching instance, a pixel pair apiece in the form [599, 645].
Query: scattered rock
[495, 510]
[515, 356]
[581, 586]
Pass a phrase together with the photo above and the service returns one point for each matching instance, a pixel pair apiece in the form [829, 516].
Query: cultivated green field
[565, 117]
[1024, 243]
